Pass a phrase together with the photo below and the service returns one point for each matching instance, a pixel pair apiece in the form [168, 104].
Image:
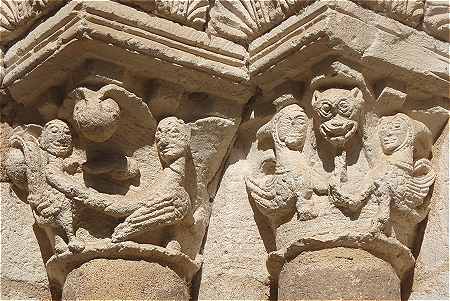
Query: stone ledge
[138, 41]
[341, 28]
[156, 47]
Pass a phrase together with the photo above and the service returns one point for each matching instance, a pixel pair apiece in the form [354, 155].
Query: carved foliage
[244, 20]
[189, 12]
[17, 15]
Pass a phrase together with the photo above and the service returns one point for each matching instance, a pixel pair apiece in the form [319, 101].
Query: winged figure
[169, 203]
[280, 195]
[408, 175]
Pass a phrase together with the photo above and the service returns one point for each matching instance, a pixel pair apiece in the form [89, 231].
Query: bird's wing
[263, 193]
[418, 186]
[150, 216]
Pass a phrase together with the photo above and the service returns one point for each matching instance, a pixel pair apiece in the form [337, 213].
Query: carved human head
[172, 139]
[56, 138]
[338, 111]
[400, 132]
[394, 134]
[291, 126]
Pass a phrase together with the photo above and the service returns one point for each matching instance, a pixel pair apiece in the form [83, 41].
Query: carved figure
[39, 167]
[169, 203]
[338, 112]
[277, 196]
[408, 175]
[96, 114]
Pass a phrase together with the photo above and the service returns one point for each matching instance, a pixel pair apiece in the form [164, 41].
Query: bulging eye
[344, 107]
[326, 110]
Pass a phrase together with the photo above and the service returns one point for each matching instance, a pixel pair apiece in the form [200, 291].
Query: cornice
[146, 44]
[154, 47]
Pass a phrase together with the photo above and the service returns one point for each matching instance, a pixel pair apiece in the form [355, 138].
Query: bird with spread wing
[169, 203]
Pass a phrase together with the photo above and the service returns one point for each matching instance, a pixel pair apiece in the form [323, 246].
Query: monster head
[56, 138]
[338, 111]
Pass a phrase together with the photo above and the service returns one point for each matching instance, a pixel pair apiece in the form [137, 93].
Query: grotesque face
[172, 137]
[338, 111]
[56, 138]
[393, 133]
[291, 127]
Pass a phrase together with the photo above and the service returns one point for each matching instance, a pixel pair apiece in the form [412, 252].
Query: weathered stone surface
[289, 130]
[337, 274]
[234, 264]
[436, 19]
[409, 12]
[124, 279]
[23, 274]
[17, 16]
[431, 276]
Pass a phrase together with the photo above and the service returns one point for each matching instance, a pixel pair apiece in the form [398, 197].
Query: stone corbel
[360, 215]
[122, 168]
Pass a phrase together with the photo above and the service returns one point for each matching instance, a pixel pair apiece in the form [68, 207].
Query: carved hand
[44, 206]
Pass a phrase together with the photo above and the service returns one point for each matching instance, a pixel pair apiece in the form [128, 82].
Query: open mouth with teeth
[62, 143]
[390, 141]
[338, 134]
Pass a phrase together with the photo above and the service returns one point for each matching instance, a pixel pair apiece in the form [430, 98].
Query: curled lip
[344, 131]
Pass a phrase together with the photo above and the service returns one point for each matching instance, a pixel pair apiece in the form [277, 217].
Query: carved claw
[352, 203]
[75, 245]
[147, 219]
[119, 234]
[306, 214]
[47, 208]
